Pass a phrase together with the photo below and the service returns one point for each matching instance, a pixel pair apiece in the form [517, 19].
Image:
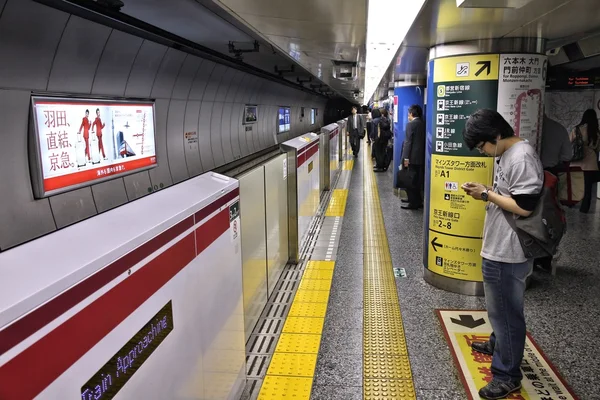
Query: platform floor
[362, 315]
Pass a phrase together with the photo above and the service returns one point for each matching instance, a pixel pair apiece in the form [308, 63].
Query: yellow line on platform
[386, 372]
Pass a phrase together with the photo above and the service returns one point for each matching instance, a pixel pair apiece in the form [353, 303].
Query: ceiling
[307, 34]
[441, 21]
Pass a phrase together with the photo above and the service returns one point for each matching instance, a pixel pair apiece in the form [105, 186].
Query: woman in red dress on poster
[98, 126]
[86, 125]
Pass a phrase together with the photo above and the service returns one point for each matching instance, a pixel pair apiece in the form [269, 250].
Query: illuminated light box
[113, 375]
[283, 120]
[79, 142]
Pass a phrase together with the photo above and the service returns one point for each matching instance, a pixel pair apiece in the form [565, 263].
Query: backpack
[578, 146]
[384, 124]
[541, 232]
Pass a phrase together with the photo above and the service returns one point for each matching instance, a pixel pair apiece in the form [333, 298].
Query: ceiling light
[387, 25]
[492, 3]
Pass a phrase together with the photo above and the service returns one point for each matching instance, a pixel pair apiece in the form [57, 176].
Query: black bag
[578, 146]
[406, 178]
[389, 155]
[384, 124]
[541, 232]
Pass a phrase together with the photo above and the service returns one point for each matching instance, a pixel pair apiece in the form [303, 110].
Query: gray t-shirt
[518, 171]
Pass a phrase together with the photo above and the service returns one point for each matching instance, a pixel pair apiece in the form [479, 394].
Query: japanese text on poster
[521, 88]
[83, 141]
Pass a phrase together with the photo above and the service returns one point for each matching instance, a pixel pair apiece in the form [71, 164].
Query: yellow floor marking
[348, 165]
[386, 367]
[298, 343]
[291, 371]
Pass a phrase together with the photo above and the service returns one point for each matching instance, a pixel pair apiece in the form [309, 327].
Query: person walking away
[355, 130]
[413, 155]
[369, 126]
[376, 114]
[382, 137]
[556, 153]
[517, 187]
[588, 133]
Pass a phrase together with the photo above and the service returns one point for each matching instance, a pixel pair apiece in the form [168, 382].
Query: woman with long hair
[382, 137]
[590, 134]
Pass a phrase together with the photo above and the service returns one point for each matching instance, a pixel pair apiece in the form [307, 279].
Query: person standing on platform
[517, 187]
[356, 130]
[382, 136]
[590, 135]
[556, 154]
[413, 155]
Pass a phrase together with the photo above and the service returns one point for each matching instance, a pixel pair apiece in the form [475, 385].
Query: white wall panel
[234, 87]
[144, 70]
[116, 63]
[183, 85]
[215, 134]
[201, 80]
[109, 194]
[160, 177]
[225, 84]
[139, 185]
[192, 151]
[77, 56]
[29, 35]
[71, 207]
[206, 155]
[214, 81]
[21, 217]
[236, 127]
[167, 74]
[175, 147]
[226, 132]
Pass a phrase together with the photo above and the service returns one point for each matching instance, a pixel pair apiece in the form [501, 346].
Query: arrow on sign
[435, 244]
[468, 321]
[484, 65]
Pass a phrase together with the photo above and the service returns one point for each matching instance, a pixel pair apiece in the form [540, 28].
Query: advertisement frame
[34, 145]
[246, 106]
[277, 121]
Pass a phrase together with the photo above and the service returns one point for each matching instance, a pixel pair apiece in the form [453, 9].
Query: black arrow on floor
[484, 65]
[468, 321]
[435, 244]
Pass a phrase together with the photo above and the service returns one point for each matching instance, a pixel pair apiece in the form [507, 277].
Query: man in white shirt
[356, 130]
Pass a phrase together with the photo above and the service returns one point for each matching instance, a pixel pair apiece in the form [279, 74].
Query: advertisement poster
[521, 87]
[462, 85]
[250, 114]
[284, 124]
[81, 141]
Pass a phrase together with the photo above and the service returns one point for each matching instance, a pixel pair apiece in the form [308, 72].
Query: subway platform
[355, 319]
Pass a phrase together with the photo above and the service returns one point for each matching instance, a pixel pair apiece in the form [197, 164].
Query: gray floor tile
[349, 342]
[339, 369]
[331, 392]
[424, 394]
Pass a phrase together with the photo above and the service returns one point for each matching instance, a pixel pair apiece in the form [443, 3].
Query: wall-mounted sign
[283, 120]
[106, 383]
[250, 114]
[78, 142]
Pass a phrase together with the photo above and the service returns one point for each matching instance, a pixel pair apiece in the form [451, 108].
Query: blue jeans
[504, 286]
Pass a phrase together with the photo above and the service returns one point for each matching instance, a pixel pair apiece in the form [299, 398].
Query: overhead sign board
[79, 142]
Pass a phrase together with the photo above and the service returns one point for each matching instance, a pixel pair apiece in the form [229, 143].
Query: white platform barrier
[141, 302]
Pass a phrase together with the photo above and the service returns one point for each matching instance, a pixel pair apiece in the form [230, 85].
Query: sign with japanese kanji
[521, 88]
[79, 142]
[541, 381]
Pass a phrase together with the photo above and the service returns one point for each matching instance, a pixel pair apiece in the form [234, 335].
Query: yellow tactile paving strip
[291, 371]
[386, 367]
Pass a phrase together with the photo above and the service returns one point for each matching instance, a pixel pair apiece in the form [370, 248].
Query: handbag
[406, 178]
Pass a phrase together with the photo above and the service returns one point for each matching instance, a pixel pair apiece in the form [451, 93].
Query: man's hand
[474, 189]
[406, 163]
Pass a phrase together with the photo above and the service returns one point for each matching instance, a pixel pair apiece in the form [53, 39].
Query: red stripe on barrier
[32, 370]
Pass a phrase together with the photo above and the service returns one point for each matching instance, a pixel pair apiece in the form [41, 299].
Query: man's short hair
[416, 111]
[486, 126]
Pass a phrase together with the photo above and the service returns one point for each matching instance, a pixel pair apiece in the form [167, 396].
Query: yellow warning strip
[386, 372]
[291, 371]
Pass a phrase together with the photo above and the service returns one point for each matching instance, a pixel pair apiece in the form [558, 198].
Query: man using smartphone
[518, 182]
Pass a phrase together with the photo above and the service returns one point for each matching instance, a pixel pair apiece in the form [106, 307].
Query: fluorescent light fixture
[387, 26]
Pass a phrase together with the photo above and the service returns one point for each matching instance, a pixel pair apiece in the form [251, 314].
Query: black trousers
[355, 142]
[589, 177]
[414, 195]
[380, 148]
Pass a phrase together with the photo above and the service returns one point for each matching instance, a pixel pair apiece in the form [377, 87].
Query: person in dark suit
[413, 155]
[356, 130]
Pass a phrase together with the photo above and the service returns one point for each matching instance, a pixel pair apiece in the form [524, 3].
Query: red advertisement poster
[80, 142]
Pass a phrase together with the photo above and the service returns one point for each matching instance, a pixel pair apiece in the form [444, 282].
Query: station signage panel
[79, 142]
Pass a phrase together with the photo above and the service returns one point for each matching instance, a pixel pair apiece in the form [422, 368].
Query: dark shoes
[483, 348]
[498, 389]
